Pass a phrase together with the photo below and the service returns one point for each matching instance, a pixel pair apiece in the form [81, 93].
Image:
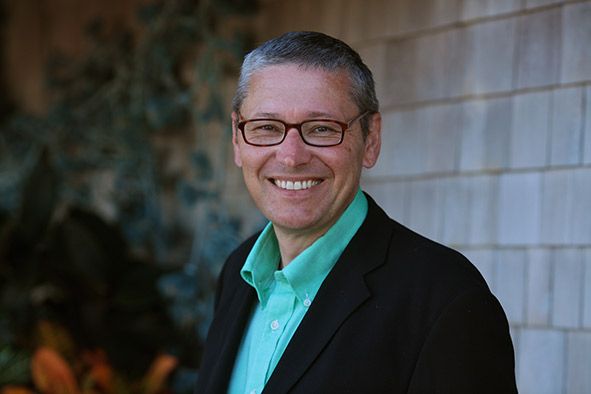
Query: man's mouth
[295, 185]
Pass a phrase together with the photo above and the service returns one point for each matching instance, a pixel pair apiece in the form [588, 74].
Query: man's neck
[292, 243]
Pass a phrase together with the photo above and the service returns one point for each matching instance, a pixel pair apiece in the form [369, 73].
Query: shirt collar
[308, 270]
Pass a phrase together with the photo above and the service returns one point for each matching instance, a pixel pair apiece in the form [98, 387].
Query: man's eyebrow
[309, 115]
[320, 115]
[272, 115]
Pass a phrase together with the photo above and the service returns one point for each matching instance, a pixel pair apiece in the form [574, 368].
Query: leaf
[6, 234]
[179, 285]
[51, 373]
[14, 367]
[148, 13]
[189, 194]
[156, 377]
[166, 111]
[202, 164]
[215, 109]
[39, 198]
[54, 336]
[184, 380]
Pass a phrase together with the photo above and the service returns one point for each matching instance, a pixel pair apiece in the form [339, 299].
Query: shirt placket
[277, 313]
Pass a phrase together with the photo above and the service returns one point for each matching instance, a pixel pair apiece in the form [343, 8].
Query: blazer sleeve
[468, 349]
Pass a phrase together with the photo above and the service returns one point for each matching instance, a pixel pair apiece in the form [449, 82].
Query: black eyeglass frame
[298, 127]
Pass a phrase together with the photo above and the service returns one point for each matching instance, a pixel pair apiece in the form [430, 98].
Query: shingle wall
[486, 147]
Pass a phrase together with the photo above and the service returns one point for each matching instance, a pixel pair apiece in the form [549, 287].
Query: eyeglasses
[314, 132]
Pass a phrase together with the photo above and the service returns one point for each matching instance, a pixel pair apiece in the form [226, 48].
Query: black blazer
[398, 313]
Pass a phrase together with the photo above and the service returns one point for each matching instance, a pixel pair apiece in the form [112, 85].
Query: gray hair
[314, 50]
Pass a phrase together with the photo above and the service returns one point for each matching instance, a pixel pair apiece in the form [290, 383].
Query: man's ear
[235, 143]
[373, 141]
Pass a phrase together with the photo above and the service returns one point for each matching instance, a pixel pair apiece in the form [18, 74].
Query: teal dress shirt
[285, 295]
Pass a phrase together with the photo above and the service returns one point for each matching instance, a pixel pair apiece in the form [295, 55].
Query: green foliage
[119, 284]
[14, 367]
[77, 271]
[111, 105]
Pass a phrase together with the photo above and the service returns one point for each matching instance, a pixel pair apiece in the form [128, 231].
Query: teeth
[297, 185]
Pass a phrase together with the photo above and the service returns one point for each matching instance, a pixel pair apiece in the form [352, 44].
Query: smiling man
[333, 296]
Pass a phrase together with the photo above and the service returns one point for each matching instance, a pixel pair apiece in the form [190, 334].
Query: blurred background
[119, 200]
[116, 213]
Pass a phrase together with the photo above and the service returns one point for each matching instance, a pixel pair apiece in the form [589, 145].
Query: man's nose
[293, 151]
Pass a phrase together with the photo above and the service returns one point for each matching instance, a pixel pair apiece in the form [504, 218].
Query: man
[333, 296]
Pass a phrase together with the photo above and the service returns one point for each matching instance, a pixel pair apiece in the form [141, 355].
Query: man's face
[329, 176]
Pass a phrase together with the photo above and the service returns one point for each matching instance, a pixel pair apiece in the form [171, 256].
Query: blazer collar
[341, 293]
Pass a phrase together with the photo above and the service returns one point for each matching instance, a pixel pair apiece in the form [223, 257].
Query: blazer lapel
[233, 328]
[341, 293]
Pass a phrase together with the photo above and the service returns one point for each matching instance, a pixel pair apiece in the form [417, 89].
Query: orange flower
[100, 372]
[161, 368]
[51, 373]
[15, 390]
[102, 375]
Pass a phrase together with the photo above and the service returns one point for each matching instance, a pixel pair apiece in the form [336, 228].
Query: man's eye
[324, 129]
[266, 127]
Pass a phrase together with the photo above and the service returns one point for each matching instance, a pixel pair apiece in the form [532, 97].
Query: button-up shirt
[285, 295]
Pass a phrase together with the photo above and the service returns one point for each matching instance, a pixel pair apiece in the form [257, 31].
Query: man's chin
[296, 225]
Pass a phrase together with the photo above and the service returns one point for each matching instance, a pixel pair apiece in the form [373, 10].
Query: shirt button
[307, 302]
[274, 325]
[253, 392]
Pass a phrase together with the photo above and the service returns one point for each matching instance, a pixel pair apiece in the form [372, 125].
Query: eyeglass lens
[314, 132]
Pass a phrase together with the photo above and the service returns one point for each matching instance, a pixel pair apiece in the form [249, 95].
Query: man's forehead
[273, 88]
